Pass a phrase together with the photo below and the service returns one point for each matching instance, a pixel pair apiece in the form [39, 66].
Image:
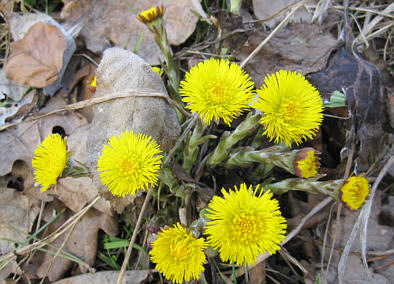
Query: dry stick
[93, 101]
[293, 233]
[58, 252]
[366, 212]
[133, 237]
[278, 27]
[74, 219]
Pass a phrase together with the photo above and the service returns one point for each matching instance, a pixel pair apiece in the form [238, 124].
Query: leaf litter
[300, 46]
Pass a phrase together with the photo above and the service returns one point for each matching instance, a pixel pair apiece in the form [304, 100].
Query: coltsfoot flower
[354, 191]
[129, 162]
[151, 14]
[217, 89]
[292, 107]
[49, 161]
[306, 163]
[244, 224]
[178, 254]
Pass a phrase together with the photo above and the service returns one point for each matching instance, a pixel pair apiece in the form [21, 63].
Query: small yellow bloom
[292, 107]
[129, 163]
[93, 83]
[216, 89]
[49, 161]
[158, 70]
[151, 14]
[306, 163]
[354, 191]
[178, 254]
[244, 224]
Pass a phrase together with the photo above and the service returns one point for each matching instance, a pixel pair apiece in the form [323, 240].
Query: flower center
[128, 166]
[179, 250]
[289, 110]
[245, 227]
[218, 93]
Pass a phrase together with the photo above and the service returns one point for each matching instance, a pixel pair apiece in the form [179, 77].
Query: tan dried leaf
[38, 57]
[82, 242]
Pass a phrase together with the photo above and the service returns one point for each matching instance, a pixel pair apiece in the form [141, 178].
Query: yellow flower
[354, 191]
[151, 14]
[244, 224]
[49, 161]
[158, 70]
[93, 83]
[130, 162]
[178, 254]
[292, 107]
[216, 89]
[306, 163]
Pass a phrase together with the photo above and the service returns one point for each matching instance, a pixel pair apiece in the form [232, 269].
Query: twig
[366, 212]
[58, 252]
[50, 238]
[278, 27]
[93, 101]
[133, 237]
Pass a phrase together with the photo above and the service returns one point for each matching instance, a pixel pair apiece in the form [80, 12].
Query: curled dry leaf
[37, 59]
[121, 71]
[367, 102]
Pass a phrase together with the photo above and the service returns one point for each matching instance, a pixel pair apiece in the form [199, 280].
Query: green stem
[229, 139]
[245, 158]
[330, 188]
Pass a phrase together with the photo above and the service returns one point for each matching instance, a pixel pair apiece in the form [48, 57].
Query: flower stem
[229, 139]
[245, 157]
[192, 142]
[134, 236]
[329, 188]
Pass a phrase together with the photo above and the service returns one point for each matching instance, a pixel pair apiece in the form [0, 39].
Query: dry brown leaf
[107, 277]
[37, 59]
[82, 242]
[266, 8]
[17, 212]
[20, 142]
[300, 47]
[122, 71]
[112, 23]
[367, 102]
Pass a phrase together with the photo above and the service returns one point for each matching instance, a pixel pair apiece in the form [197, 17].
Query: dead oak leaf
[37, 59]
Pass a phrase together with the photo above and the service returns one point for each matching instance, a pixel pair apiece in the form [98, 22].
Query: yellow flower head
[244, 225]
[354, 191]
[292, 107]
[49, 161]
[129, 163]
[178, 254]
[158, 70]
[151, 14]
[306, 163]
[216, 89]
